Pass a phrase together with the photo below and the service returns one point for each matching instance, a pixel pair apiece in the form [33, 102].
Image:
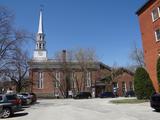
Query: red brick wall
[125, 77]
[49, 87]
[150, 46]
[47, 83]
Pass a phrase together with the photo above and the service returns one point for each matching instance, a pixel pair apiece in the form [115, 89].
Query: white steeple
[40, 53]
[40, 27]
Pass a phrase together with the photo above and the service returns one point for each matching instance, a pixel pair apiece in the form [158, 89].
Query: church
[61, 78]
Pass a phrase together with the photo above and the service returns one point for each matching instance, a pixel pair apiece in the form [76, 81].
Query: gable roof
[145, 6]
[126, 70]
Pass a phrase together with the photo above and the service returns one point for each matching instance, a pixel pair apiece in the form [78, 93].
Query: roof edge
[144, 6]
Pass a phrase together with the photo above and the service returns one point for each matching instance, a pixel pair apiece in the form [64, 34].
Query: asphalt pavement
[86, 109]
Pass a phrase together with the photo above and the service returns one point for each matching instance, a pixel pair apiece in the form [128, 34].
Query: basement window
[155, 14]
[157, 34]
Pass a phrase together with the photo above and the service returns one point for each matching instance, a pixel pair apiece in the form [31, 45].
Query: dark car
[14, 99]
[34, 97]
[6, 110]
[27, 96]
[24, 100]
[107, 95]
[83, 95]
[155, 101]
[10, 104]
[130, 94]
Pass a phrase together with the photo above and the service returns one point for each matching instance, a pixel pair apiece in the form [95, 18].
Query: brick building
[55, 78]
[149, 20]
[124, 82]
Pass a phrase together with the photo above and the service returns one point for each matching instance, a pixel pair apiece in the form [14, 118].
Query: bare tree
[16, 70]
[112, 78]
[5, 34]
[10, 37]
[64, 60]
[85, 58]
[73, 78]
[137, 56]
[13, 58]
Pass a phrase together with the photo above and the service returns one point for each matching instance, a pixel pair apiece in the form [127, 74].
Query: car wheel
[6, 112]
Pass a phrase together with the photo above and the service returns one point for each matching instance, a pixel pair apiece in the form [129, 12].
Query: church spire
[40, 27]
[40, 52]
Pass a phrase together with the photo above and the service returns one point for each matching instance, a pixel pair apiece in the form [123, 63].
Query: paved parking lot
[88, 109]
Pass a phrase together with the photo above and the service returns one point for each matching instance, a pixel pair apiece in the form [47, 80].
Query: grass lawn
[128, 101]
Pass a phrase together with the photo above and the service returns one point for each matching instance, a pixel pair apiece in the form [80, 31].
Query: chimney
[63, 55]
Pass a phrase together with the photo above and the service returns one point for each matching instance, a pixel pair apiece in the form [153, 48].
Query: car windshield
[24, 94]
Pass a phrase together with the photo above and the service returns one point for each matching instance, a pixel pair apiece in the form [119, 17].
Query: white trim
[154, 19]
[156, 36]
[125, 87]
[158, 12]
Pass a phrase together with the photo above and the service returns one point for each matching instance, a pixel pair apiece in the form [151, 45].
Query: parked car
[34, 97]
[24, 100]
[155, 101]
[130, 94]
[107, 95]
[10, 103]
[83, 95]
[6, 110]
[14, 99]
[27, 97]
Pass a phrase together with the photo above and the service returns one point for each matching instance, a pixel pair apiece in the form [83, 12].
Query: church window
[40, 79]
[88, 79]
[57, 81]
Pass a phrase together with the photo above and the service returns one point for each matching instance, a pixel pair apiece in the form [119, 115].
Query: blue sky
[108, 26]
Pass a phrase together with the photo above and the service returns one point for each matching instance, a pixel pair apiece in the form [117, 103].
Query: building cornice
[144, 6]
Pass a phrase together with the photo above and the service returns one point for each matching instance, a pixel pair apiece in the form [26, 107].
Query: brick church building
[149, 20]
[59, 78]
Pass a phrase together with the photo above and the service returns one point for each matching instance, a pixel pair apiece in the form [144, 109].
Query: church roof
[53, 64]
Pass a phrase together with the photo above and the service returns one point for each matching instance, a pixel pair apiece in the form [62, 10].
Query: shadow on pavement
[19, 114]
[156, 111]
